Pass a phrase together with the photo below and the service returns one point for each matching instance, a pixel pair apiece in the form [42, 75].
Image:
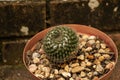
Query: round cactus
[60, 44]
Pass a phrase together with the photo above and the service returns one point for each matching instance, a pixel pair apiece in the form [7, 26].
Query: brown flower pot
[79, 29]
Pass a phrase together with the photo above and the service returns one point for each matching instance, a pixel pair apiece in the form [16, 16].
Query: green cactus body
[60, 43]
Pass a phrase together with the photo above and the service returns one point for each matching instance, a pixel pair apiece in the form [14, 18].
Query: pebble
[40, 66]
[32, 68]
[56, 71]
[107, 50]
[74, 64]
[88, 63]
[36, 60]
[45, 61]
[46, 71]
[61, 78]
[78, 78]
[81, 57]
[77, 69]
[95, 73]
[82, 74]
[101, 58]
[41, 51]
[71, 78]
[90, 74]
[90, 57]
[99, 68]
[60, 71]
[88, 49]
[94, 66]
[91, 42]
[43, 56]
[67, 68]
[37, 71]
[97, 42]
[84, 78]
[101, 51]
[98, 46]
[85, 37]
[82, 44]
[66, 74]
[110, 65]
[35, 55]
[83, 64]
[97, 55]
[39, 75]
[96, 78]
[74, 75]
[97, 62]
[51, 76]
[106, 56]
[92, 37]
[103, 46]
[87, 69]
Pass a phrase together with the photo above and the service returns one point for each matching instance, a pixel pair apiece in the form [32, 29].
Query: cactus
[60, 44]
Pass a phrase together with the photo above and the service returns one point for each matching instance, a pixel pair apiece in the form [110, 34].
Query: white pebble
[56, 71]
[103, 46]
[91, 42]
[32, 68]
[95, 73]
[35, 55]
[88, 49]
[39, 75]
[92, 37]
[66, 74]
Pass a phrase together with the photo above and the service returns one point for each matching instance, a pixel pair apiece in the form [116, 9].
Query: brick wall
[19, 21]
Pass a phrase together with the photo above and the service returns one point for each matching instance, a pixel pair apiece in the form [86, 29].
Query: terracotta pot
[78, 28]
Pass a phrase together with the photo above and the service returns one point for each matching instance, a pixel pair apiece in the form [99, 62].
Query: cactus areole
[60, 44]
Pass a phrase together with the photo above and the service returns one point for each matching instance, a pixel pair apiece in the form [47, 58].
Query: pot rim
[74, 26]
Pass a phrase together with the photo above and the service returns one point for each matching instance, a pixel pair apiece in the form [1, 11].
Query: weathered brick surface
[21, 19]
[106, 16]
[17, 72]
[12, 51]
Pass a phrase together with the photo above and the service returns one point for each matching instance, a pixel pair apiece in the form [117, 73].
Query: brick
[105, 17]
[21, 19]
[68, 12]
[12, 51]
[17, 72]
